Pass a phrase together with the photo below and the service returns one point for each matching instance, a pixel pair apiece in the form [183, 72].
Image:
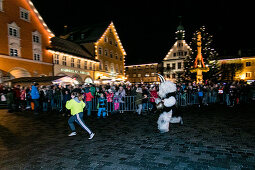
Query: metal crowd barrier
[128, 102]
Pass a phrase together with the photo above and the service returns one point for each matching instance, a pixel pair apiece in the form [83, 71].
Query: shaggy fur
[166, 102]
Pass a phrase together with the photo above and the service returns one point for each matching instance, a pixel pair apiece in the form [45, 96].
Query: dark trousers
[36, 103]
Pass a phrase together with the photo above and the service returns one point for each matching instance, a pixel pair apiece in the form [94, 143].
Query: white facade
[173, 63]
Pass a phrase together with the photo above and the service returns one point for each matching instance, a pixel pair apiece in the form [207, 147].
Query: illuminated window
[248, 75]
[79, 63]
[24, 14]
[106, 67]
[248, 64]
[90, 65]
[64, 60]
[112, 67]
[117, 68]
[147, 74]
[111, 55]
[36, 39]
[13, 32]
[105, 39]
[147, 66]
[86, 65]
[138, 75]
[37, 57]
[106, 52]
[173, 66]
[134, 75]
[101, 65]
[139, 67]
[100, 50]
[134, 67]
[56, 59]
[13, 52]
[72, 62]
[179, 65]
[152, 67]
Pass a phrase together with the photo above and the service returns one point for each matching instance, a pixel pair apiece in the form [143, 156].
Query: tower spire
[180, 32]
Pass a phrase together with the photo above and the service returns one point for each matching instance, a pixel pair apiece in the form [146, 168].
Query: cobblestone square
[211, 138]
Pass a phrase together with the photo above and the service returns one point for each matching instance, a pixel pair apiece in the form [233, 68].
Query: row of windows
[14, 32]
[139, 67]
[179, 66]
[146, 75]
[106, 53]
[180, 53]
[86, 65]
[24, 14]
[110, 41]
[248, 64]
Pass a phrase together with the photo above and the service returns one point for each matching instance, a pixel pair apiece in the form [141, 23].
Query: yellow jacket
[75, 106]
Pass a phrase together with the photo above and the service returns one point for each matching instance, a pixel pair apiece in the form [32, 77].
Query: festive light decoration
[40, 18]
[199, 65]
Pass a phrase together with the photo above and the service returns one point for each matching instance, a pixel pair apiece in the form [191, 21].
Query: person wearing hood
[35, 97]
[76, 105]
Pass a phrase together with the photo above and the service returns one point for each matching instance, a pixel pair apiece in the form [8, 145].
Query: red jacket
[89, 97]
[109, 96]
[154, 95]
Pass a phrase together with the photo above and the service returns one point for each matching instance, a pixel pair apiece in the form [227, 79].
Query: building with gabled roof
[102, 41]
[24, 38]
[73, 60]
[173, 63]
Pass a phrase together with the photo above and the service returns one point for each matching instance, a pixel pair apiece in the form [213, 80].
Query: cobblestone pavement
[211, 138]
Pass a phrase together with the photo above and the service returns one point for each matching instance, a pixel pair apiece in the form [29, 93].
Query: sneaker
[72, 134]
[91, 135]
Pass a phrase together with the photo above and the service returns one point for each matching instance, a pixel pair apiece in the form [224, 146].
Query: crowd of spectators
[42, 98]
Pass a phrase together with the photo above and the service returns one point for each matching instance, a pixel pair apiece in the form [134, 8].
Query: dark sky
[147, 29]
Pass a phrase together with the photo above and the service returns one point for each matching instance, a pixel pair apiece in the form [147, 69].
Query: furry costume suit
[166, 102]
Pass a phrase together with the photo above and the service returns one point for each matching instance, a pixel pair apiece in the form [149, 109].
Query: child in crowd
[76, 106]
[102, 106]
[109, 97]
[138, 100]
[116, 100]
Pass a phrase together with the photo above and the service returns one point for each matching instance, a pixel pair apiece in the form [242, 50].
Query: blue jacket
[34, 93]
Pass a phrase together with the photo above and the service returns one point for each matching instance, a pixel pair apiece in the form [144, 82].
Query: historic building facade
[142, 73]
[102, 41]
[71, 59]
[24, 37]
[173, 63]
[247, 69]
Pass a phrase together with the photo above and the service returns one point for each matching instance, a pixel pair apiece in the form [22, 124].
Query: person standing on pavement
[76, 105]
[35, 97]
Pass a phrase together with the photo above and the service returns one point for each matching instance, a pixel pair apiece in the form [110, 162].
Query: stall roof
[35, 79]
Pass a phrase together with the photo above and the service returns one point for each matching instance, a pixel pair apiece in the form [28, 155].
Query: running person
[76, 106]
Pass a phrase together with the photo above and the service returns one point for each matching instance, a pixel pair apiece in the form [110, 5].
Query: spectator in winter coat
[89, 98]
[153, 96]
[109, 96]
[35, 97]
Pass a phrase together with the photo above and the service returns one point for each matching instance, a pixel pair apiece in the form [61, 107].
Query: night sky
[147, 29]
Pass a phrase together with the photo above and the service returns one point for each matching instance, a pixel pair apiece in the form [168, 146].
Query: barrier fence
[182, 99]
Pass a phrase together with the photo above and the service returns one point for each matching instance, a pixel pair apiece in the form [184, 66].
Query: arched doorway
[88, 80]
[19, 72]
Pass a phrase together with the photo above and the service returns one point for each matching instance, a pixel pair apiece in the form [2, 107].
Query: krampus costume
[166, 102]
